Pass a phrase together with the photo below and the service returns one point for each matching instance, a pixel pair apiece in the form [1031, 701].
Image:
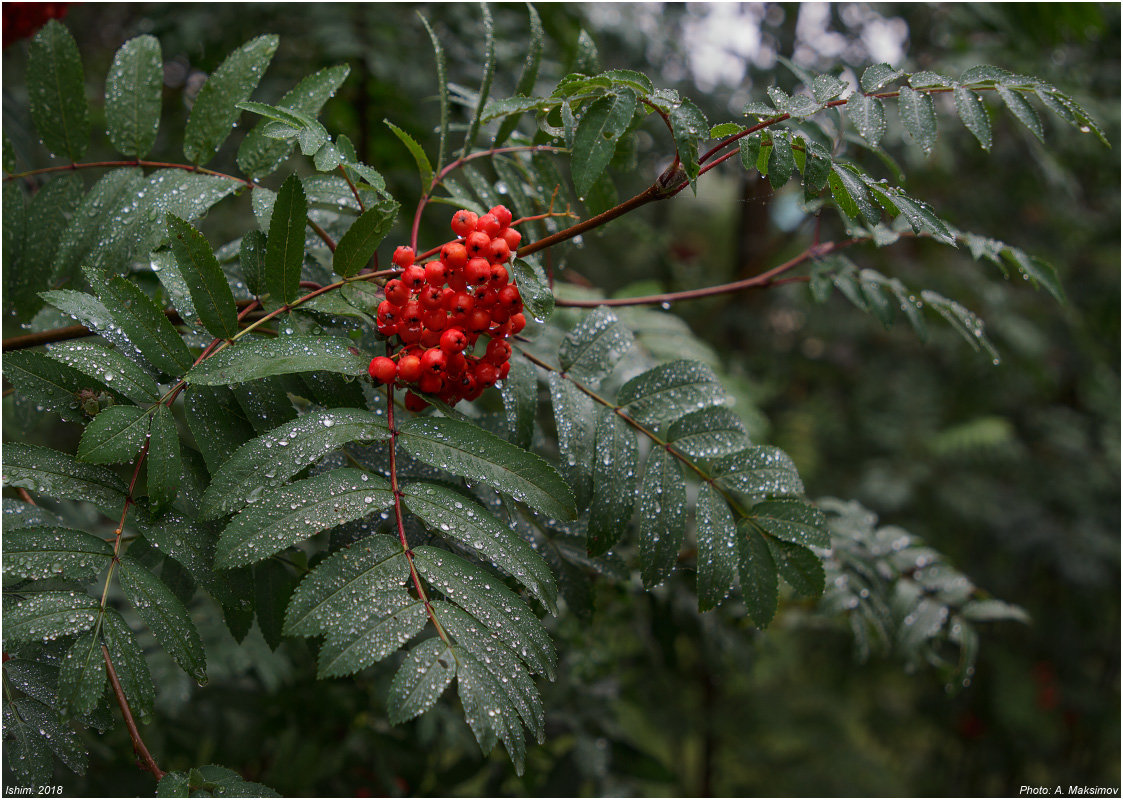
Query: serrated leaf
[527, 77]
[759, 472]
[485, 80]
[594, 141]
[669, 391]
[592, 349]
[827, 87]
[487, 709]
[56, 91]
[459, 519]
[129, 663]
[717, 548]
[284, 249]
[708, 434]
[145, 325]
[921, 218]
[574, 417]
[265, 402]
[165, 616]
[35, 241]
[801, 568]
[360, 641]
[216, 107]
[991, 610]
[918, 115]
[26, 749]
[18, 514]
[216, 422]
[756, 570]
[252, 261]
[210, 293]
[261, 358]
[533, 288]
[81, 679]
[363, 237]
[291, 514]
[133, 95]
[50, 385]
[272, 458]
[114, 436]
[164, 463]
[1020, 108]
[44, 725]
[520, 402]
[793, 521]
[485, 597]
[688, 127]
[46, 616]
[45, 552]
[374, 566]
[1034, 269]
[108, 366]
[614, 482]
[868, 115]
[419, 682]
[424, 168]
[725, 129]
[58, 475]
[662, 516]
[781, 163]
[850, 193]
[471, 452]
[82, 234]
[965, 322]
[878, 75]
[973, 112]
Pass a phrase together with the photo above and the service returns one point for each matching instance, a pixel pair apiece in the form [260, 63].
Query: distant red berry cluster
[437, 311]
[23, 19]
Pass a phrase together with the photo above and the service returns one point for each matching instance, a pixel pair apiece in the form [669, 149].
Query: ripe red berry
[489, 224]
[435, 320]
[454, 255]
[431, 297]
[464, 222]
[434, 360]
[509, 296]
[499, 277]
[410, 334]
[498, 352]
[504, 370]
[389, 313]
[435, 273]
[459, 303]
[512, 237]
[415, 403]
[477, 272]
[477, 244]
[518, 322]
[431, 383]
[403, 257]
[457, 363]
[486, 298]
[396, 292]
[383, 369]
[498, 251]
[430, 338]
[413, 277]
[453, 340]
[500, 314]
[486, 373]
[411, 313]
[501, 213]
[409, 368]
[479, 320]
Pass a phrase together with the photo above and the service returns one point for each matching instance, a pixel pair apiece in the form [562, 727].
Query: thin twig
[139, 747]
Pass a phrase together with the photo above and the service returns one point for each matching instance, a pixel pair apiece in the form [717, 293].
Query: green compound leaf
[614, 482]
[802, 569]
[217, 423]
[670, 391]
[717, 548]
[50, 385]
[527, 77]
[850, 193]
[107, 366]
[868, 115]
[291, 514]
[46, 552]
[520, 402]
[1020, 108]
[534, 288]
[362, 639]
[592, 349]
[210, 293]
[143, 323]
[129, 663]
[82, 234]
[662, 510]
[759, 472]
[165, 616]
[247, 361]
[58, 475]
[284, 249]
[116, 435]
[43, 732]
[471, 452]
[424, 168]
[574, 417]
[350, 578]
[594, 142]
[47, 217]
[482, 595]
[973, 112]
[485, 80]
[49, 615]
[216, 107]
[165, 466]
[81, 678]
[251, 257]
[133, 94]
[459, 519]
[793, 521]
[878, 75]
[756, 570]
[487, 709]
[918, 115]
[274, 457]
[56, 90]
[363, 237]
[709, 434]
[421, 679]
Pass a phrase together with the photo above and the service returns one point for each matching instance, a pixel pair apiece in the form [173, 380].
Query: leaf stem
[134, 733]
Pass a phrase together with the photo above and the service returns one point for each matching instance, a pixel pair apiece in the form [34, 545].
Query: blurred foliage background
[1012, 470]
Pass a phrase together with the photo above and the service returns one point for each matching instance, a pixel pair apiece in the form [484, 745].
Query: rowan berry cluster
[439, 310]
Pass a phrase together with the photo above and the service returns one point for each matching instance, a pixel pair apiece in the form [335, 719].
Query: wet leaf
[662, 516]
[419, 682]
[614, 482]
[717, 548]
[46, 552]
[133, 95]
[56, 91]
[165, 616]
[260, 358]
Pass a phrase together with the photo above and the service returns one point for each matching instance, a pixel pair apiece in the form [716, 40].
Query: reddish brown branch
[147, 761]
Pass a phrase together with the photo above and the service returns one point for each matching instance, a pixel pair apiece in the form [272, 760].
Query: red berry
[454, 255]
[457, 363]
[486, 373]
[512, 237]
[499, 314]
[413, 277]
[403, 257]
[431, 383]
[409, 368]
[486, 298]
[499, 251]
[456, 280]
[431, 297]
[435, 360]
[435, 320]
[477, 272]
[489, 224]
[501, 213]
[430, 338]
[464, 222]
[396, 292]
[477, 244]
[499, 277]
[460, 303]
[383, 369]
[498, 352]
[415, 403]
[410, 334]
[504, 370]
[411, 313]
[479, 320]
[509, 296]
[453, 340]
[435, 273]
[518, 322]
